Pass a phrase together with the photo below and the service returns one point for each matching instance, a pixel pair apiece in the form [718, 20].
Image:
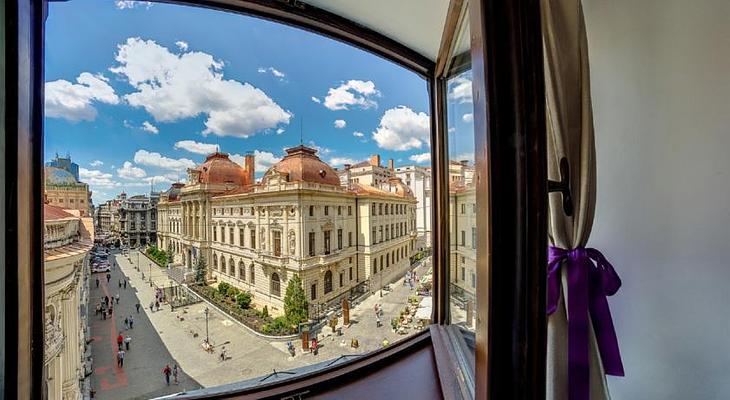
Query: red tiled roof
[51, 213]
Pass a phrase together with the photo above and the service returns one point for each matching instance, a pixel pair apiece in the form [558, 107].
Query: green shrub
[243, 300]
[223, 288]
[265, 312]
[296, 307]
[278, 325]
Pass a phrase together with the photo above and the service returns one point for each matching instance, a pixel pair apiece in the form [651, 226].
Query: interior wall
[660, 73]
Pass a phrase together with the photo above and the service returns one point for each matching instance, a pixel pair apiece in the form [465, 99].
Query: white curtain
[570, 135]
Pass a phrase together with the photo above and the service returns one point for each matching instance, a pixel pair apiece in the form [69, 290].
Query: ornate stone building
[68, 238]
[299, 219]
[63, 190]
[137, 216]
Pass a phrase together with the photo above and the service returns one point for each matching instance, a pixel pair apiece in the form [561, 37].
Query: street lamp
[207, 339]
[150, 265]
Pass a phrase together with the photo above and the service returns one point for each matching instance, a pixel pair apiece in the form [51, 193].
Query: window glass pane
[281, 188]
[462, 194]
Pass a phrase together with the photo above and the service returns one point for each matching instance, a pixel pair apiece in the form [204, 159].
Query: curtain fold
[570, 134]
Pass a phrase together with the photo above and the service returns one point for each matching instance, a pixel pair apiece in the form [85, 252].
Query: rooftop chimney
[249, 165]
[391, 166]
[375, 160]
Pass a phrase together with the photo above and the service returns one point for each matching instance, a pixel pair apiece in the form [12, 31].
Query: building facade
[418, 179]
[341, 240]
[137, 216]
[67, 241]
[66, 164]
[63, 190]
[368, 172]
[463, 242]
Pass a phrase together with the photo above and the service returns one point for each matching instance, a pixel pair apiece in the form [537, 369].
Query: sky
[138, 92]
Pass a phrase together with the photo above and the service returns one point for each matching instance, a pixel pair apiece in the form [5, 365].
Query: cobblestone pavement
[248, 355]
[141, 377]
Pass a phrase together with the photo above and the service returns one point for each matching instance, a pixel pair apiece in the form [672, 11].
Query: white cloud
[97, 178]
[72, 101]
[151, 159]
[421, 158]
[316, 99]
[469, 117]
[130, 4]
[127, 124]
[402, 129]
[262, 159]
[358, 134]
[273, 71]
[147, 126]
[182, 45]
[176, 86]
[461, 90]
[452, 129]
[352, 93]
[96, 163]
[129, 171]
[196, 147]
[320, 150]
[280, 131]
[340, 123]
[340, 161]
[152, 180]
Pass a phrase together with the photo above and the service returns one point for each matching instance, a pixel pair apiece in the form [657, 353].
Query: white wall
[661, 92]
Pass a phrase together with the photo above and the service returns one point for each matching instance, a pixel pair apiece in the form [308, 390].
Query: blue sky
[137, 93]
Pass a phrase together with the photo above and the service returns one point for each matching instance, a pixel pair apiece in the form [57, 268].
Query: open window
[421, 237]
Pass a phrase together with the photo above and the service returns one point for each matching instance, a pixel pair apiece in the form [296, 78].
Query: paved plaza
[167, 335]
[141, 377]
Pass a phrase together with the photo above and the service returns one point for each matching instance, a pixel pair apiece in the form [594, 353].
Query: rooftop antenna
[301, 131]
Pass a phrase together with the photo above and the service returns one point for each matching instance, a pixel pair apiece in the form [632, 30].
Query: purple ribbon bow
[588, 286]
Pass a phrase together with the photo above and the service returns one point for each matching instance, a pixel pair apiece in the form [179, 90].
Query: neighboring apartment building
[62, 189]
[418, 179]
[461, 171]
[138, 219]
[107, 216]
[368, 172]
[298, 220]
[67, 240]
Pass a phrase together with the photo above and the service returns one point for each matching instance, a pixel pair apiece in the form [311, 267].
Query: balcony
[324, 259]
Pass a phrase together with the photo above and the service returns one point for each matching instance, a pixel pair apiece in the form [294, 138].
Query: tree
[200, 268]
[296, 307]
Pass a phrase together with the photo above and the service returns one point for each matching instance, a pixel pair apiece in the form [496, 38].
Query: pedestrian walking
[103, 314]
[120, 340]
[167, 371]
[125, 284]
[117, 298]
[108, 277]
[111, 308]
[97, 283]
[137, 307]
[152, 305]
[98, 309]
[126, 323]
[315, 345]
[157, 305]
[120, 358]
[127, 342]
[131, 322]
[223, 354]
[106, 300]
[120, 283]
[175, 371]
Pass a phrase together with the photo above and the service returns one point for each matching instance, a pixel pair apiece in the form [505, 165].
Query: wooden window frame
[507, 64]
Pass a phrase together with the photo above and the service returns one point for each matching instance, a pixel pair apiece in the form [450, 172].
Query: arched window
[327, 282]
[215, 261]
[241, 270]
[231, 267]
[275, 285]
[223, 264]
[252, 274]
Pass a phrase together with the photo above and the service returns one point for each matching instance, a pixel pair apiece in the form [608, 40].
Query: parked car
[101, 268]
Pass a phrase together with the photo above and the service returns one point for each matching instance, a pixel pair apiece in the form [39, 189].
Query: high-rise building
[65, 163]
